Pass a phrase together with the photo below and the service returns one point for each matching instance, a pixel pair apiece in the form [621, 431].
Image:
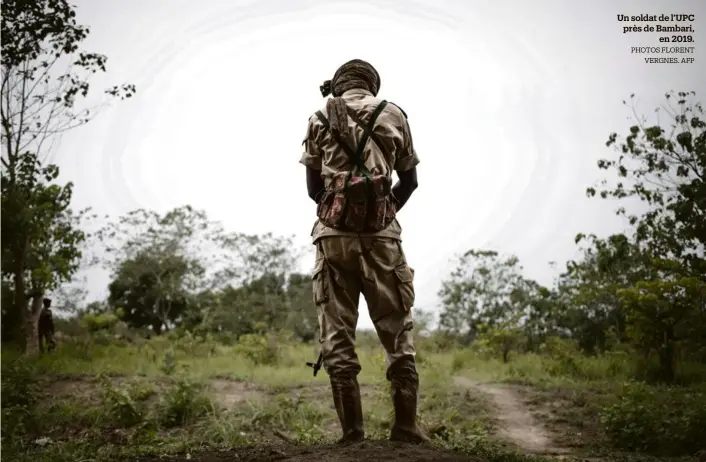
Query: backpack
[357, 202]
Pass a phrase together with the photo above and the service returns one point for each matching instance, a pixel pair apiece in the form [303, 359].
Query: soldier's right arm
[406, 161]
[312, 159]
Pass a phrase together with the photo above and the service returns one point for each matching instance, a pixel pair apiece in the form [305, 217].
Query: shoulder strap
[367, 131]
[357, 155]
[368, 128]
[335, 135]
[401, 110]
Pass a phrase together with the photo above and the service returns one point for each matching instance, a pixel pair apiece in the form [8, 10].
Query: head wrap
[353, 74]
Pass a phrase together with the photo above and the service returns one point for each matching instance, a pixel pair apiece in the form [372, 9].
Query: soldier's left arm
[406, 161]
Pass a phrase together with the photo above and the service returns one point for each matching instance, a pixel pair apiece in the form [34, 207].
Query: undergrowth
[153, 397]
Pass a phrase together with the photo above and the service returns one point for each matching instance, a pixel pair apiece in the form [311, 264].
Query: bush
[461, 358]
[259, 349]
[183, 403]
[120, 406]
[20, 393]
[499, 341]
[195, 345]
[656, 420]
[564, 358]
[95, 322]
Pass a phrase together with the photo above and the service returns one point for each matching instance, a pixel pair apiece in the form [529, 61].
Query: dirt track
[516, 425]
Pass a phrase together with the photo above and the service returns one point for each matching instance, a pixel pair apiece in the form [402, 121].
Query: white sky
[510, 104]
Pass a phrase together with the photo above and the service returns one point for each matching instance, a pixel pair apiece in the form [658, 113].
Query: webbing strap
[367, 129]
[357, 156]
[337, 136]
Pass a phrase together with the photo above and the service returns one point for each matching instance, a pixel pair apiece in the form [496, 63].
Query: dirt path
[516, 424]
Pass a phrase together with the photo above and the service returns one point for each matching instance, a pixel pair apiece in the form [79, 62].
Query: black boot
[346, 399]
[405, 387]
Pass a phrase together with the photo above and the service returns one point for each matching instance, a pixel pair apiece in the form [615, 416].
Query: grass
[101, 400]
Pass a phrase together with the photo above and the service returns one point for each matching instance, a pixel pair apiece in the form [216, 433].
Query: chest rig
[355, 199]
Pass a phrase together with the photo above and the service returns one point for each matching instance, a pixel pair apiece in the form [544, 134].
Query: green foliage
[120, 406]
[20, 394]
[258, 349]
[163, 275]
[484, 289]
[98, 322]
[183, 403]
[195, 345]
[661, 314]
[500, 340]
[665, 167]
[565, 357]
[153, 264]
[41, 235]
[169, 364]
[659, 421]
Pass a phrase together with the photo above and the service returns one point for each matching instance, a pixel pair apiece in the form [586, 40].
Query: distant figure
[351, 149]
[46, 327]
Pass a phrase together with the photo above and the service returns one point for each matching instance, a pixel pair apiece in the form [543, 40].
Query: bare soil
[378, 451]
[516, 425]
[514, 411]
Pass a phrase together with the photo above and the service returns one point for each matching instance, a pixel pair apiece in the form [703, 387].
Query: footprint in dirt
[516, 423]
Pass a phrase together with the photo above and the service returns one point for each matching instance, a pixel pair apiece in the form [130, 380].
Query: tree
[41, 241]
[665, 311]
[660, 296]
[302, 316]
[542, 316]
[501, 339]
[183, 267]
[664, 166]
[37, 105]
[484, 289]
[158, 262]
[150, 290]
[594, 309]
[254, 285]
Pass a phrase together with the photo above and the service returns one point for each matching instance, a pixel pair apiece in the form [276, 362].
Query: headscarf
[353, 74]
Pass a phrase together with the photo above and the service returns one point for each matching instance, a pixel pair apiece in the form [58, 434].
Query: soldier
[46, 327]
[350, 151]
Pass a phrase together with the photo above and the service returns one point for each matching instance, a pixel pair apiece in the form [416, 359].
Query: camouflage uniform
[374, 264]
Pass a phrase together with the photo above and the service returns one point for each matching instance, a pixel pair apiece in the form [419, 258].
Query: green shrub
[657, 420]
[257, 348]
[499, 341]
[195, 345]
[183, 403]
[460, 358]
[121, 408]
[20, 394]
[95, 322]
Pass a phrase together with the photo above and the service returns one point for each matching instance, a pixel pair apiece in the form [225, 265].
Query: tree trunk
[32, 334]
[20, 306]
[666, 357]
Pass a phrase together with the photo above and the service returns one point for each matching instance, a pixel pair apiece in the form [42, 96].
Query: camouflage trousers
[377, 268]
